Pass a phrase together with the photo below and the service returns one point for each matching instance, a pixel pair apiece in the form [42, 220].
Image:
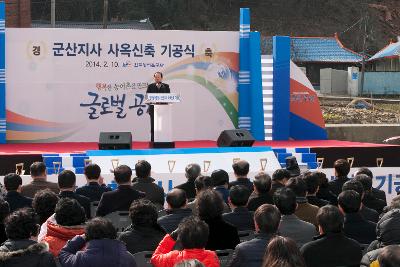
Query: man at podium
[158, 87]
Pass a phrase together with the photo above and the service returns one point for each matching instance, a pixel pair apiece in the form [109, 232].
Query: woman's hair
[69, 212]
[209, 204]
[283, 252]
[44, 204]
[100, 228]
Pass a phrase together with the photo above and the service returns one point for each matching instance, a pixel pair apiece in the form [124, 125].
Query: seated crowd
[293, 219]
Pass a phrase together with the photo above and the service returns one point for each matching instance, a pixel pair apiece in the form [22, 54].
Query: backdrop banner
[70, 84]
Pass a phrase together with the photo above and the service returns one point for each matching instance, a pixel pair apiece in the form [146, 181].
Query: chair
[143, 258]
[246, 235]
[120, 219]
[93, 208]
[224, 256]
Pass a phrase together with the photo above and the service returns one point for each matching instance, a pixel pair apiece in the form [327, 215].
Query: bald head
[176, 198]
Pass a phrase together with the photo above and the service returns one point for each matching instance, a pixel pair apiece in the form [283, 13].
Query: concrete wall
[382, 83]
[333, 82]
[371, 133]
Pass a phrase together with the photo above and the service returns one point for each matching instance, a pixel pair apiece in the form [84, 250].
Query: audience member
[342, 169]
[44, 203]
[39, 181]
[240, 216]
[20, 249]
[250, 253]
[122, 197]
[67, 185]
[192, 234]
[279, 180]
[291, 226]
[144, 183]
[305, 211]
[380, 194]
[192, 171]
[4, 211]
[95, 186]
[241, 169]
[324, 192]
[68, 221]
[222, 234]
[387, 233]
[177, 210]
[12, 183]
[313, 181]
[369, 200]
[97, 247]
[201, 183]
[260, 195]
[220, 181]
[355, 226]
[367, 213]
[332, 248]
[283, 252]
[292, 166]
[144, 233]
[390, 256]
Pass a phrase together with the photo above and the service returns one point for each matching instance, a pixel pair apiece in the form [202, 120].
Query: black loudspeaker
[115, 140]
[237, 137]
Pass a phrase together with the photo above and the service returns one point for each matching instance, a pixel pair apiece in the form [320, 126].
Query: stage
[364, 154]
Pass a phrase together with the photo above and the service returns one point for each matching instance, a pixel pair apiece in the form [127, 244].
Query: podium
[162, 118]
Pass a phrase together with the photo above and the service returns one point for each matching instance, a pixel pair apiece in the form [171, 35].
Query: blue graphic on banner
[2, 73]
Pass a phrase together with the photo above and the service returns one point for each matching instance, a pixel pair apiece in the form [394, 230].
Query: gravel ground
[337, 112]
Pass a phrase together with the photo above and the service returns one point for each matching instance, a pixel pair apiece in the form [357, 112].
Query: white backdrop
[56, 77]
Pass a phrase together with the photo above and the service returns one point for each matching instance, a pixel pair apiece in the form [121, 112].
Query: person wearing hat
[292, 166]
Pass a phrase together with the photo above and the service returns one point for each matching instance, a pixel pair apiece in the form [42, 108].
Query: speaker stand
[162, 144]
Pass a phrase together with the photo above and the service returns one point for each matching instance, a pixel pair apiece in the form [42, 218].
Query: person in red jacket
[192, 234]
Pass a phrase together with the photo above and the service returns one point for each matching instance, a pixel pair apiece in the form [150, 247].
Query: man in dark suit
[380, 194]
[355, 226]
[240, 216]
[241, 170]
[94, 188]
[342, 169]
[144, 183]
[67, 185]
[123, 196]
[369, 199]
[156, 88]
[251, 253]
[279, 179]
[192, 171]
[176, 212]
[12, 183]
[312, 181]
[260, 195]
[39, 181]
[331, 248]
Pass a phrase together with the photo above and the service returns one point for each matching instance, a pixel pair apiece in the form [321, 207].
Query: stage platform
[364, 154]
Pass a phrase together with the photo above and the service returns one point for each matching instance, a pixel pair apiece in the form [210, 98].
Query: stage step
[73, 162]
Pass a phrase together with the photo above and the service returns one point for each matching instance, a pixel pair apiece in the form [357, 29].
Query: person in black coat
[121, 198]
[176, 212]
[331, 248]
[260, 195]
[241, 169]
[144, 183]
[192, 171]
[367, 213]
[279, 179]
[342, 169]
[94, 188]
[4, 211]
[157, 87]
[355, 226]
[324, 192]
[220, 182]
[222, 235]
[312, 180]
[19, 249]
[144, 233]
[13, 184]
[369, 199]
[379, 194]
[240, 216]
[66, 183]
[250, 253]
